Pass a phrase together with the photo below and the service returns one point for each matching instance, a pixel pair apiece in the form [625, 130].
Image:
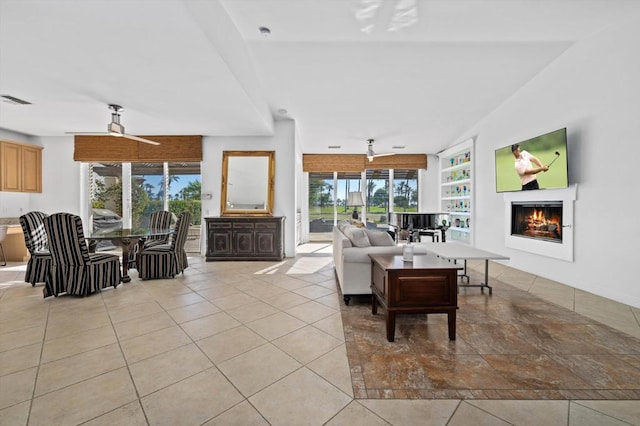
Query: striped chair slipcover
[35, 239]
[159, 220]
[167, 260]
[73, 269]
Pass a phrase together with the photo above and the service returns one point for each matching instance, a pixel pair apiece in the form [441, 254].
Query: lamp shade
[355, 199]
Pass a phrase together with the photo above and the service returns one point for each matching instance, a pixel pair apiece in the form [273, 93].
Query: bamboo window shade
[116, 149]
[359, 162]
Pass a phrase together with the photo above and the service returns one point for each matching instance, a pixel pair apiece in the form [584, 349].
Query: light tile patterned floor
[246, 343]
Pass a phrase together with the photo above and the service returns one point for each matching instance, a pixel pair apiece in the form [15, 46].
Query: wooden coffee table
[427, 285]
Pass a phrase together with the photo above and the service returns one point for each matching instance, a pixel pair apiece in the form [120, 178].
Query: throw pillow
[342, 225]
[379, 238]
[357, 237]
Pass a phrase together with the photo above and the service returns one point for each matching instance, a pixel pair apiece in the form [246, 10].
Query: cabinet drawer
[266, 225]
[219, 225]
[243, 225]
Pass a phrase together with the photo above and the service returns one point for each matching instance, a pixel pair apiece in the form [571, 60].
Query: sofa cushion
[379, 238]
[343, 224]
[357, 236]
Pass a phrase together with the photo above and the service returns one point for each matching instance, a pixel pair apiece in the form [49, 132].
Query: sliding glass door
[125, 194]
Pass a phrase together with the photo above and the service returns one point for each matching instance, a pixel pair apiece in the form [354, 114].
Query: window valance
[359, 162]
[110, 148]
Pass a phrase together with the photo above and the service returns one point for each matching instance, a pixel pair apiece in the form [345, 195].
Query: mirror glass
[247, 183]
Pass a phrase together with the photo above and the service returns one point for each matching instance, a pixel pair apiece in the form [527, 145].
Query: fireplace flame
[538, 221]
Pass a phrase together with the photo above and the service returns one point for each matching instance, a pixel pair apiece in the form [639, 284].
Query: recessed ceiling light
[398, 147]
[282, 111]
[334, 147]
[264, 31]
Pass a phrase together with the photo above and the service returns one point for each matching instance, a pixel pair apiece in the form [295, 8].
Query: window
[377, 197]
[321, 202]
[405, 190]
[328, 193]
[147, 192]
[105, 186]
[151, 187]
[347, 182]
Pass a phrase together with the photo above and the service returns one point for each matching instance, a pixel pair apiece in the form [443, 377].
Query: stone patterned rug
[511, 345]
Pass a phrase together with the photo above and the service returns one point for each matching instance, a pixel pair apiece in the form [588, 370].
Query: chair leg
[4, 258]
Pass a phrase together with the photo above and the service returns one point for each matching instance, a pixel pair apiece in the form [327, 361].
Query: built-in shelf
[457, 177]
[456, 182]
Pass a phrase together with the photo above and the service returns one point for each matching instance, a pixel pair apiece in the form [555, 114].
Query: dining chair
[73, 269]
[167, 260]
[159, 220]
[35, 238]
[3, 234]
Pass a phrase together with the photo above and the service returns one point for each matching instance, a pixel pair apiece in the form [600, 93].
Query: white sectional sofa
[351, 256]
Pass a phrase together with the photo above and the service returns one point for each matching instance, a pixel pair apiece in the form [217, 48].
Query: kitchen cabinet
[20, 167]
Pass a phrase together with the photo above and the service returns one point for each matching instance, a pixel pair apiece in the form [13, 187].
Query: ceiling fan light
[115, 129]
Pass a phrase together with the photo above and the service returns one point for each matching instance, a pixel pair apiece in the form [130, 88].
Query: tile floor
[239, 343]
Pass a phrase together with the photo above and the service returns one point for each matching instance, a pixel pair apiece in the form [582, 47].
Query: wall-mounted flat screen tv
[550, 149]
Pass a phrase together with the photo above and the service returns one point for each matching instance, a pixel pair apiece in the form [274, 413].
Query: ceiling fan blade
[136, 138]
[385, 154]
[124, 135]
[87, 133]
[115, 128]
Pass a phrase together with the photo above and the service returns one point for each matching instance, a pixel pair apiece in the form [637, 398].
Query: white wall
[61, 178]
[429, 186]
[283, 142]
[593, 89]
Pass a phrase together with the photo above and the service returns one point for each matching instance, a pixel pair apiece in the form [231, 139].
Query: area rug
[509, 345]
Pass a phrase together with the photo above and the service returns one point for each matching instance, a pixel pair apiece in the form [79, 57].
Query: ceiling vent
[13, 100]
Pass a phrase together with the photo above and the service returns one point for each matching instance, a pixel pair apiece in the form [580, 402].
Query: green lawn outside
[374, 214]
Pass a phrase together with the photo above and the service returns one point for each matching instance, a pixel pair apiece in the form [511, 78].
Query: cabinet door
[11, 160]
[266, 243]
[243, 242]
[31, 169]
[218, 239]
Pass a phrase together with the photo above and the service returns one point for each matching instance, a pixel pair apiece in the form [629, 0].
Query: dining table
[127, 239]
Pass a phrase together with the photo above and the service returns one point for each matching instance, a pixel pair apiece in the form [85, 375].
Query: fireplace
[538, 220]
[541, 222]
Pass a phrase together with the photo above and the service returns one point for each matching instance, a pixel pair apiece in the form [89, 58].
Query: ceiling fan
[371, 154]
[115, 128]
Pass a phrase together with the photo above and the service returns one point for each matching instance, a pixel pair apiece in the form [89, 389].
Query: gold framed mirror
[248, 181]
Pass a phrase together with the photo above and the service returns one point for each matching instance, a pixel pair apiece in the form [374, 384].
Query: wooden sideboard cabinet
[245, 238]
[20, 167]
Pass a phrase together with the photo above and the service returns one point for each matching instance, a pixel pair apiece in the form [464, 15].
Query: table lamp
[355, 200]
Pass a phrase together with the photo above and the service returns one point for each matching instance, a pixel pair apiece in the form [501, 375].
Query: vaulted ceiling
[412, 73]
